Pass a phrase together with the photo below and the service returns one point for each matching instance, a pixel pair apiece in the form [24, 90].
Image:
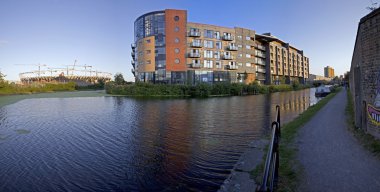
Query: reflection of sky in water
[125, 144]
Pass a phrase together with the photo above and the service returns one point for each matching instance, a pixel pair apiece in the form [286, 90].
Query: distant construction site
[82, 75]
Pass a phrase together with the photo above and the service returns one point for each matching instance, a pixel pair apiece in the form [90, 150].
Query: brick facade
[365, 74]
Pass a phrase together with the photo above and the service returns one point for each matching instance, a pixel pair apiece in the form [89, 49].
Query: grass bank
[290, 169]
[368, 141]
[11, 89]
[200, 90]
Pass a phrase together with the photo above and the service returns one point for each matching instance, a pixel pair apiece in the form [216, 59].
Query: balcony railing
[232, 47]
[133, 71]
[261, 47]
[196, 44]
[232, 67]
[133, 45]
[228, 37]
[228, 57]
[133, 55]
[194, 34]
[133, 63]
[194, 55]
[260, 55]
[196, 65]
[261, 70]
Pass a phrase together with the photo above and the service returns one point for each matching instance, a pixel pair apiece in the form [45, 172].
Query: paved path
[332, 159]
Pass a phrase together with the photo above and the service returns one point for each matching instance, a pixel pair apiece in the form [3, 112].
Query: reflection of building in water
[165, 145]
[296, 102]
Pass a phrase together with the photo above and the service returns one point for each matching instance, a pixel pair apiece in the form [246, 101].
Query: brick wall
[365, 74]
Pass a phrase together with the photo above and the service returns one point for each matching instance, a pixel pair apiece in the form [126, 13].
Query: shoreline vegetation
[368, 141]
[200, 90]
[290, 169]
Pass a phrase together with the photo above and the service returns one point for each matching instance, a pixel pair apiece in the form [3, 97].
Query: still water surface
[126, 144]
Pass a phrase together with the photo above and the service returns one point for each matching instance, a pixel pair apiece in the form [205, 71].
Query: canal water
[127, 144]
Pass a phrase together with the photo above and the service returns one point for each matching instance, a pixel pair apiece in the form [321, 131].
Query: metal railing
[270, 175]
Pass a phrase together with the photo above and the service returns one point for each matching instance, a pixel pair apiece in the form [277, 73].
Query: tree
[119, 79]
[1, 77]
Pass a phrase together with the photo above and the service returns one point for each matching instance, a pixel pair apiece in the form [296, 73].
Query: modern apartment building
[169, 49]
[329, 72]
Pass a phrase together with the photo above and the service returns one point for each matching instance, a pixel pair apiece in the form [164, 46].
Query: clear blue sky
[100, 32]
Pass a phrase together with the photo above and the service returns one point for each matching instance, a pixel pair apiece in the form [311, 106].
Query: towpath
[332, 158]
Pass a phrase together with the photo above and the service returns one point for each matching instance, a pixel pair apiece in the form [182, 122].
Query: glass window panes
[218, 45]
[209, 33]
[208, 64]
[208, 54]
[208, 44]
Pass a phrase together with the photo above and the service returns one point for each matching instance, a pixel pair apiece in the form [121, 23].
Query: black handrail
[270, 175]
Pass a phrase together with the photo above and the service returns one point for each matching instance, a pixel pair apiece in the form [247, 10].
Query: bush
[200, 90]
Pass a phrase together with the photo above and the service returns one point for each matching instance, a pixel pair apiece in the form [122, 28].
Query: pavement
[240, 179]
[332, 159]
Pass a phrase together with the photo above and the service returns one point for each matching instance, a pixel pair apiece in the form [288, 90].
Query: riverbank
[200, 90]
[246, 174]
[10, 99]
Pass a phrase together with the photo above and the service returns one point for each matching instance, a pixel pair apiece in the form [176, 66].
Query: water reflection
[124, 144]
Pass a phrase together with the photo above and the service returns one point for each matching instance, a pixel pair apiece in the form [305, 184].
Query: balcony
[260, 55]
[194, 34]
[261, 47]
[194, 55]
[133, 55]
[228, 37]
[228, 57]
[133, 45]
[232, 47]
[133, 64]
[196, 44]
[133, 71]
[232, 67]
[196, 65]
[260, 70]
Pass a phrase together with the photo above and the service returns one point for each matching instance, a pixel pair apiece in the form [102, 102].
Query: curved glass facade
[152, 24]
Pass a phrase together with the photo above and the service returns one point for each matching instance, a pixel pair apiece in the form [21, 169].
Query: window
[240, 46]
[208, 54]
[208, 44]
[148, 41]
[218, 64]
[207, 64]
[176, 50]
[176, 61]
[248, 47]
[217, 55]
[176, 29]
[239, 36]
[148, 62]
[248, 65]
[247, 38]
[148, 52]
[240, 55]
[176, 40]
[240, 64]
[218, 45]
[176, 18]
[209, 33]
[217, 35]
[248, 55]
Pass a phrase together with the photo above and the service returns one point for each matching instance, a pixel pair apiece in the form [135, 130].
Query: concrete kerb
[240, 178]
